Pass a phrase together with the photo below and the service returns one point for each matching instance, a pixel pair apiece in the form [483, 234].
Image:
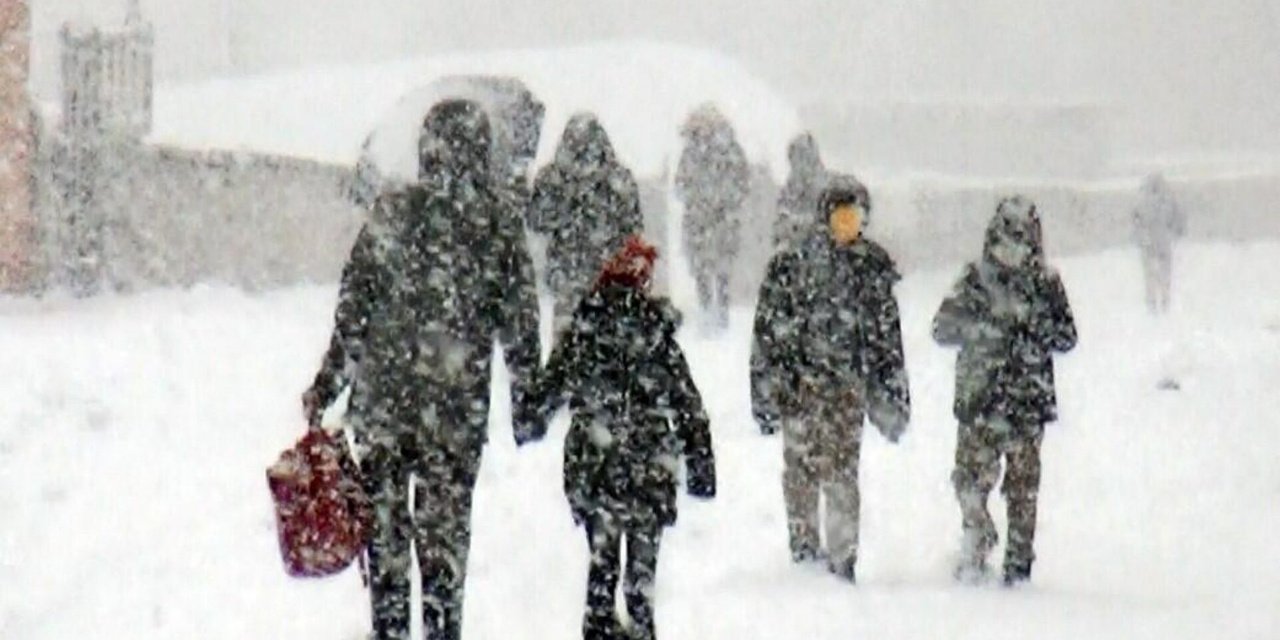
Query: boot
[844, 569]
[803, 551]
[1016, 573]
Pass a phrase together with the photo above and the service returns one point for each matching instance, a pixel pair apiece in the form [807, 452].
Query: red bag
[323, 516]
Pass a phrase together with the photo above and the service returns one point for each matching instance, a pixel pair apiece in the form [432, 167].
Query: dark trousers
[821, 450]
[605, 539]
[441, 531]
[981, 446]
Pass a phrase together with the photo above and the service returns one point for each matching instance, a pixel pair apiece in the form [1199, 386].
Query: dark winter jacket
[1007, 321]
[437, 274]
[636, 411]
[799, 199]
[585, 202]
[827, 324]
[712, 180]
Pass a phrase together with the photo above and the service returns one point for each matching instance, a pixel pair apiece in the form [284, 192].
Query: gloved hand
[313, 406]
[702, 477]
[767, 419]
[527, 420]
[889, 420]
[526, 423]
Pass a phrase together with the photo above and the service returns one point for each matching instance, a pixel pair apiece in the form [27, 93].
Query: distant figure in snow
[827, 353]
[636, 413]
[799, 199]
[712, 181]
[1158, 222]
[585, 202]
[439, 272]
[1008, 313]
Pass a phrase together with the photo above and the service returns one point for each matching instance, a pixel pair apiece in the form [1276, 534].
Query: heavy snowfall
[159, 368]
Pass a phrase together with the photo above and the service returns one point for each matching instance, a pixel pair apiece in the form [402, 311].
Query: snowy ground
[135, 434]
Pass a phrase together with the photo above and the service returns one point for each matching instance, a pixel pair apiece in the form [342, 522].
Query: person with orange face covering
[827, 354]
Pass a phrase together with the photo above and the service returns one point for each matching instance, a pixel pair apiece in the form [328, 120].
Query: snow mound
[642, 92]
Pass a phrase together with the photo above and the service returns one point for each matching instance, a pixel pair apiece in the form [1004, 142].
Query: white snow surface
[136, 432]
[642, 93]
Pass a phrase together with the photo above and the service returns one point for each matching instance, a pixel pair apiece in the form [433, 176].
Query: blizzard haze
[1183, 77]
[191, 274]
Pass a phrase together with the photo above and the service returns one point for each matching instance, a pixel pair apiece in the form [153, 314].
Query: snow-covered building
[245, 180]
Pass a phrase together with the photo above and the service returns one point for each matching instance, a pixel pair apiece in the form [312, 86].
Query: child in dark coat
[636, 413]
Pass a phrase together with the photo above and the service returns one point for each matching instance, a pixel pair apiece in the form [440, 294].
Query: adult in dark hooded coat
[585, 202]
[799, 198]
[1008, 313]
[827, 352]
[636, 413]
[437, 274]
[712, 181]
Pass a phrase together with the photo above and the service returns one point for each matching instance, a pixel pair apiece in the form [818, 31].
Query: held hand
[890, 421]
[767, 420]
[312, 407]
[702, 480]
[527, 424]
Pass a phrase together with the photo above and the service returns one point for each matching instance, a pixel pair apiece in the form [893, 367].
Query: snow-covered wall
[642, 93]
[158, 216]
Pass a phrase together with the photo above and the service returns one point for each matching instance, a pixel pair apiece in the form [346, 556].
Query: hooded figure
[636, 413]
[800, 195]
[1158, 222]
[437, 274]
[712, 181]
[827, 351]
[585, 202]
[1008, 314]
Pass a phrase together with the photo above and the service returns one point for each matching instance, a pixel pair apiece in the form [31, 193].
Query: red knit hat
[631, 266]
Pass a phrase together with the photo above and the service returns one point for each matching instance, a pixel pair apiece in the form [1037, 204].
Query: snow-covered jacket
[636, 411]
[1008, 322]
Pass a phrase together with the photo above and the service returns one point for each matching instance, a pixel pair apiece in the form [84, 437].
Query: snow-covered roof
[642, 92]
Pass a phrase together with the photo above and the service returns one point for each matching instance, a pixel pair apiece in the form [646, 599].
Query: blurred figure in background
[585, 202]
[712, 181]
[799, 199]
[1158, 222]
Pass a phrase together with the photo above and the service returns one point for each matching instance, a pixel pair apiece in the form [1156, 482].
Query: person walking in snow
[712, 181]
[799, 197]
[1008, 313]
[585, 202]
[827, 352]
[1158, 222]
[437, 274]
[636, 413]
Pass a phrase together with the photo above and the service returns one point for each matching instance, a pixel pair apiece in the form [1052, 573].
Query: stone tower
[17, 216]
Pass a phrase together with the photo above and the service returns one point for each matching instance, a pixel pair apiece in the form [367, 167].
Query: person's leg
[444, 525]
[389, 549]
[977, 467]
[1165, 278]
[800, 489]
[642, 569]
[1021, 488]
[844, 500]
[1150, 280]
[604, 539]
[722, 294]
